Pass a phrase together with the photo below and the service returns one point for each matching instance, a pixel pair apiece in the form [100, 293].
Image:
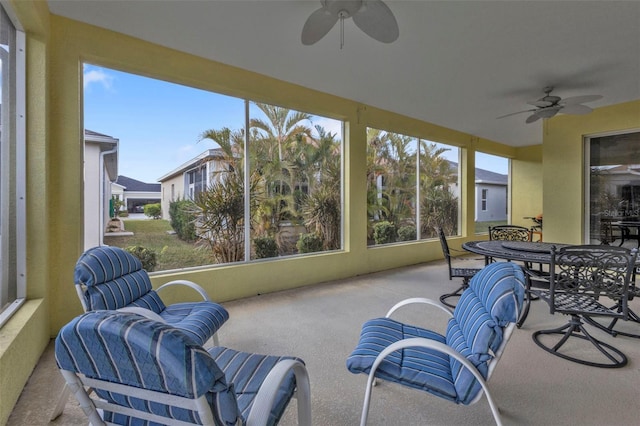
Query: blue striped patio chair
[110, 278]
[113, 279]
[455, 366]
[143, 372]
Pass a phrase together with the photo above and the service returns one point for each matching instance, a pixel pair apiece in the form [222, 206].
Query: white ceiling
[458, 64]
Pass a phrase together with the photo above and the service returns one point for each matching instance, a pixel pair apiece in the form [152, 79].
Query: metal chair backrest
[509, 233]
[444, 244]
[595, 270]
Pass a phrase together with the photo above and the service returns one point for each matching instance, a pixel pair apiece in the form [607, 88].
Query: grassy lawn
[172, 252]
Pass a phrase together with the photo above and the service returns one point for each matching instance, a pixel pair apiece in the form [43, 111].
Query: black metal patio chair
[582, 281]
[454, 272]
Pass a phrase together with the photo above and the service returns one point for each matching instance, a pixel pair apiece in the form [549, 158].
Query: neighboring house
[100, 170]
[491, 196]
[135, 194]
[192, 177]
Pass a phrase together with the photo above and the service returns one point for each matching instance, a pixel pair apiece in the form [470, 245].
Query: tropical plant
[407, 233]
[384, 232]
[265, 247]
[147, 256]
[153, 211]
[309, 243]
[220, 220]
[439, 206]
[182, 214]
[322, 216]
[116, 206]
[278, 140]
[296, 176]
[392, 166]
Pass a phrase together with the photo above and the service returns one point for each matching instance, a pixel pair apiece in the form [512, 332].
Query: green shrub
[153, 210]
[182, 215]
[147, 256]
[384, 232]
[309, 243]
[265, 247]
[407, 233]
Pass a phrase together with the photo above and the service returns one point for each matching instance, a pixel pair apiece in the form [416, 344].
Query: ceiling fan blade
[576, 109]
[580, 99]
[533, 117]
[515, 113]
[543, 113]
[376, 20]
[317, 26]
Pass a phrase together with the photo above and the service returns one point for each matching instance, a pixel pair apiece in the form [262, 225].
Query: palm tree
[392, 158]
[279, 134]
[297, 172]
[322, 206]
[282, 127]
[439, 207]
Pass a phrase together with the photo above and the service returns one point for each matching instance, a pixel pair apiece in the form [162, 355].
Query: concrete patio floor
[321, 325]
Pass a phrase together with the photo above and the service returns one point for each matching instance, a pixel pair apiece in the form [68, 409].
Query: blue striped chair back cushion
[114, 279]
[492, 301]
[129, 349]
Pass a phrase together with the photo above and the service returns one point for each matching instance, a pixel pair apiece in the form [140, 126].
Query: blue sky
[158, 124]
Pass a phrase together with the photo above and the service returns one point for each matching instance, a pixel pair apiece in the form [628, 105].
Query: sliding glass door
[613, 188]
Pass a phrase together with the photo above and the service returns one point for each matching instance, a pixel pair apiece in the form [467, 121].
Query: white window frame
[15, 165]
[483, 199]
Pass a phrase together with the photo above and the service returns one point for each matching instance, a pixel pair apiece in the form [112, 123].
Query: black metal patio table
[523, 251]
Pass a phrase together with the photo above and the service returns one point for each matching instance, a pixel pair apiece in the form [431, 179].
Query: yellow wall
[526, 177]
[563, 173]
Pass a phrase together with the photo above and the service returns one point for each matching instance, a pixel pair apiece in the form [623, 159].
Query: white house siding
[99, 171]
[92, 234]
[496, 202]
[175, 184]
[172, 190]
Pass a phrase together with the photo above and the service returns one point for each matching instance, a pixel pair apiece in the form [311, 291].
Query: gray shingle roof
[482, 175]
[135, 185]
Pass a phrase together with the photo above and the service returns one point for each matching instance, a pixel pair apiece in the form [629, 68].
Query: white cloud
[97, 76]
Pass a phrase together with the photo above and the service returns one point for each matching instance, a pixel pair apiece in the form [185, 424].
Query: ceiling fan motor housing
[342, 8]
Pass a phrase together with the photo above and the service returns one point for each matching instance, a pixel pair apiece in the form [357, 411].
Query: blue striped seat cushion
[419, 368]
[114, 279]
[198, 320]
[247, 372]
[494, 298]
[127, 348]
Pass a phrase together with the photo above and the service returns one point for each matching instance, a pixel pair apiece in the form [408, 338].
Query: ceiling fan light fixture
[549, 105]
[373, 17]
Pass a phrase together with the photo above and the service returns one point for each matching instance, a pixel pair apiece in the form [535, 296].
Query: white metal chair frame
[82, 386]
[441, 347]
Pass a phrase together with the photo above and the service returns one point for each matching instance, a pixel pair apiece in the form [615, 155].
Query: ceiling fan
[550, 105]
[371, 16]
